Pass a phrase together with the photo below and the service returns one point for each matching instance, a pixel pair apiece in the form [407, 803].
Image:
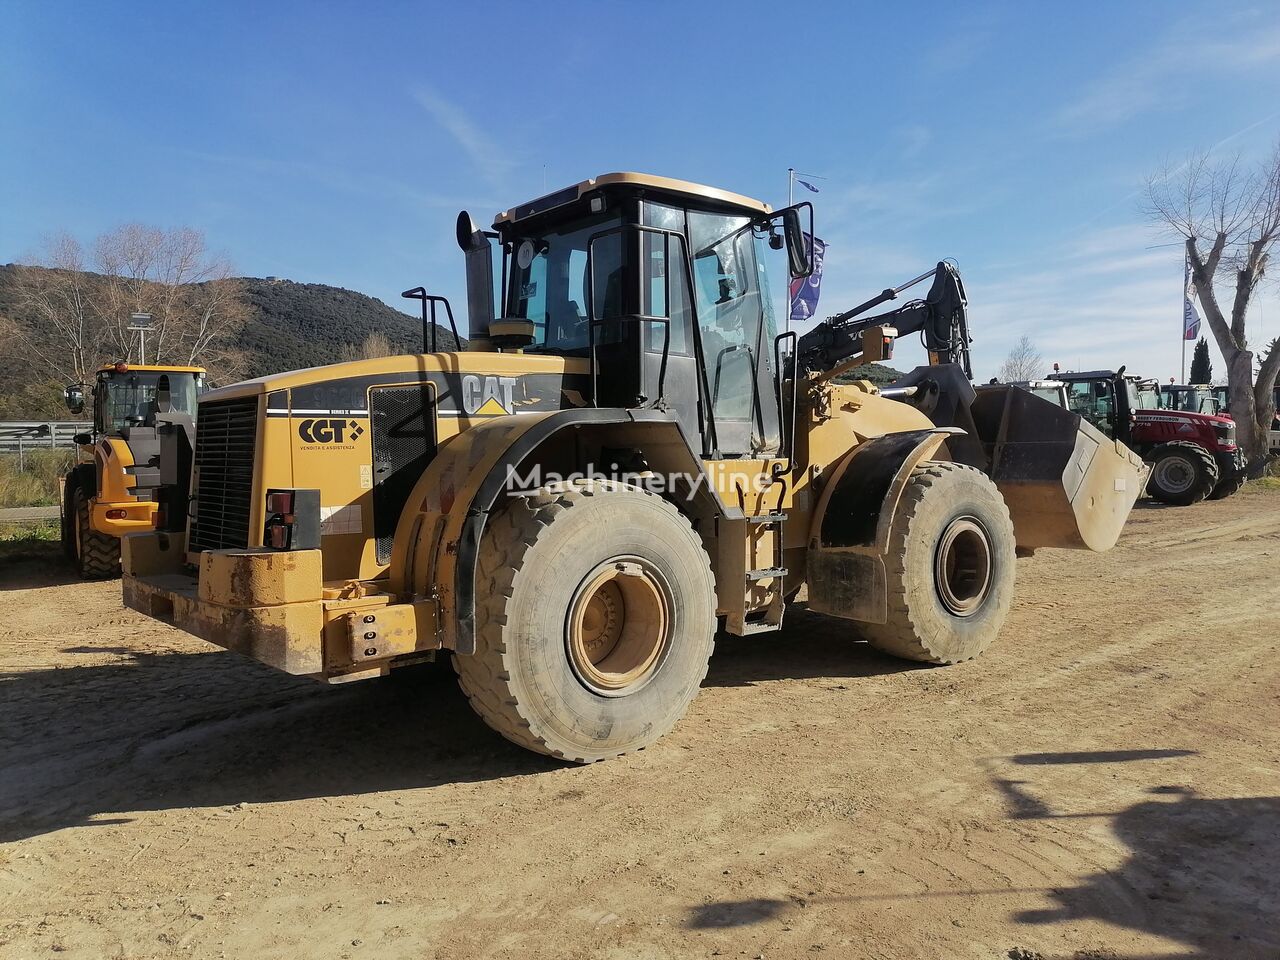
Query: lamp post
[141, 322]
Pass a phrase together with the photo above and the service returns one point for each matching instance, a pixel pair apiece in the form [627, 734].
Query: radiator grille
[226, 434]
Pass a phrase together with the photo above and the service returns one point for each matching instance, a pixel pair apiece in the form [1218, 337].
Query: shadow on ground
[809, 646]
[31, 564]
[1199, 871]
[156, 731]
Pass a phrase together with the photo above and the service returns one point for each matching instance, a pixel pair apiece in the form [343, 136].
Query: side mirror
[83, 439]
[73, 396]
[799, 244]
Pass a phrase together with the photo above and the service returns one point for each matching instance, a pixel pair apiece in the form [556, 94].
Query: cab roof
[683, 188]
[148, 368]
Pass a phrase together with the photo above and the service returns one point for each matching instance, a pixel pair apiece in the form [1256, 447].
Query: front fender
[850, 529]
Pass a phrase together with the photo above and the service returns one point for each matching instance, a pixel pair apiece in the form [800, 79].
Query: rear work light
[117, 514]
[280, 501]
[293, 520]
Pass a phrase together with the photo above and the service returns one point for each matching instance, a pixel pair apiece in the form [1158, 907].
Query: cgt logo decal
[329, 430]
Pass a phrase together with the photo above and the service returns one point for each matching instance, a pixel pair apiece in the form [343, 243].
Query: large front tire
[595, 619]
[950, 567]
[1181, 473]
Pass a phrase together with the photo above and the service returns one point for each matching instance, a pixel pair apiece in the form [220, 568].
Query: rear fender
[850, 533]
[437, 541]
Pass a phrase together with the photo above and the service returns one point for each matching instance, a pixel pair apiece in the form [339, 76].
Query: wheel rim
[962, 566]
[1174, 475]
[619, 626]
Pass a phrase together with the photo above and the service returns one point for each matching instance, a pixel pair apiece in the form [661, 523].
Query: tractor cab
[1105, 398]
[1193, 397]
[664, 285]
[1148, 392]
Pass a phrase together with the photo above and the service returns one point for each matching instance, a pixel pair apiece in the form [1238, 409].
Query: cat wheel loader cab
[628, 457]
[1193, 456]
[115, 487]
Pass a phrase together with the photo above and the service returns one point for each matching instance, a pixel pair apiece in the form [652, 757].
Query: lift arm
[941, 318]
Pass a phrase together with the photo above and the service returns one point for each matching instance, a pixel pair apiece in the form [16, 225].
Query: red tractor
[1193, 456]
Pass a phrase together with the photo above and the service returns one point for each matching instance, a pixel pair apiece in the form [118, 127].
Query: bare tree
[194, 302]
[1229, 220]
[70, 319]
[375, 345]
[1023, 362]
[64, 335]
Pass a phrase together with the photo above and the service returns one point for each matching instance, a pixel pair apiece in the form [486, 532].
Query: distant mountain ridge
[297, 325]
[290, 326]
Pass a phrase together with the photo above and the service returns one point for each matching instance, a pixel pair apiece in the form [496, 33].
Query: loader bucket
[1066, 483]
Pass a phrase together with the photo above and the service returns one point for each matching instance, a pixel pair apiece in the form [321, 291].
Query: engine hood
[1187, 416]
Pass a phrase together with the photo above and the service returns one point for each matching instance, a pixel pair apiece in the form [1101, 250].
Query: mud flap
[844, 567]
[1066, 483]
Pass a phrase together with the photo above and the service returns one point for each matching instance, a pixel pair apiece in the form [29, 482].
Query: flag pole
[791, 185]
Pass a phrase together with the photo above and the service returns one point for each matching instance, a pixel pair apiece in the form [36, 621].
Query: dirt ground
[1104, 782]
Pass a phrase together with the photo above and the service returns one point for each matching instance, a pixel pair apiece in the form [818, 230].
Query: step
[768, 518]
[767, 574]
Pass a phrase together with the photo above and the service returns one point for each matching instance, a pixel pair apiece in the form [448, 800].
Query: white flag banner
[1190, 316]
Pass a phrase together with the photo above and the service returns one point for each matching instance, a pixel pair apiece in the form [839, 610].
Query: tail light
[280, 501]
[293, 520]
[117, 514]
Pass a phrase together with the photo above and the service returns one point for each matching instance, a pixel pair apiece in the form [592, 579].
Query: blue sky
[335, 143]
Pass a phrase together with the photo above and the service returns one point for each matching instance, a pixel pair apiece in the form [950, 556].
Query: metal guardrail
[28, 514]
[19, 436]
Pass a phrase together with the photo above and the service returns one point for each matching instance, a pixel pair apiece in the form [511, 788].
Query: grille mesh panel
[226, 434]
[404, 442]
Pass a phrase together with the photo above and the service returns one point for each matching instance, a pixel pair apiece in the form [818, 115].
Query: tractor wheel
[950, 567]
[97, 554]
[1226, 488]
[595, 618]
[1181, 473]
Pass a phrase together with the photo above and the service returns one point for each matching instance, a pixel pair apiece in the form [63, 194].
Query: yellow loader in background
[628, 458]
[115, 486]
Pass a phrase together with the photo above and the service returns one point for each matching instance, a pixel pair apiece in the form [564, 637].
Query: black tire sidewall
[1194, 493]
[966, 493]
[602, 528]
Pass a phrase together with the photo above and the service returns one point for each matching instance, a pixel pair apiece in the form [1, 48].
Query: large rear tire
[97, 554]
[950, 568]
[595, 618]
[1181, 473]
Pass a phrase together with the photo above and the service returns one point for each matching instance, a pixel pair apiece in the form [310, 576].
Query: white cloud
[1103, 301]
[491, 161]
[1166, 73]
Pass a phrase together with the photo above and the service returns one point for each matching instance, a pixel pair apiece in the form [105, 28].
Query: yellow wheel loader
[115, 486]
[628, 458]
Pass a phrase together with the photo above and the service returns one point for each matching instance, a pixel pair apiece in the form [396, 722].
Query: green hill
[296, 325]
[290, 326]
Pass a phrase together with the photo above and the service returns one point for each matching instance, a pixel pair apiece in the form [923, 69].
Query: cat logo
[488, 396]
[336, 430]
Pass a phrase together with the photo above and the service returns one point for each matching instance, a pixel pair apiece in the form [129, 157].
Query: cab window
[548, 283]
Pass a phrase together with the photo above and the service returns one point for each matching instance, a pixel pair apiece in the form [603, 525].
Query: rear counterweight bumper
[275, 607]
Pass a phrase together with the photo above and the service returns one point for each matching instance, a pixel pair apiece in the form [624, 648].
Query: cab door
[736, 328]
